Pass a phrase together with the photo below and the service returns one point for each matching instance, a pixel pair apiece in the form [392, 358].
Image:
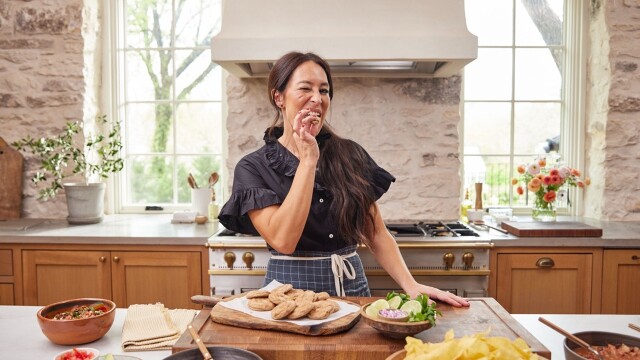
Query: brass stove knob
[448, 260]
[467, 260]
[248, 258]
[229, 258]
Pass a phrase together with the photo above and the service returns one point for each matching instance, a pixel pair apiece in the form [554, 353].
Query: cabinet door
[52, 276]
[6, 294]
[620, 284]
[149, 277]
[544, 283]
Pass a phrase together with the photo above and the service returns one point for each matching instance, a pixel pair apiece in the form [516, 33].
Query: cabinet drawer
[6, 262]
[6, 294]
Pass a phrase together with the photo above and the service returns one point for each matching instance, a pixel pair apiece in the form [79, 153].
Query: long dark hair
[344, 167]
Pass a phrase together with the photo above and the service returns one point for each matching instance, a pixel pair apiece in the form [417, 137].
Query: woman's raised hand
[306, 125]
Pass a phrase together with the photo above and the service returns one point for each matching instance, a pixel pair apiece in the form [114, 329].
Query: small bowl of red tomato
[77, 321]
[82, 353]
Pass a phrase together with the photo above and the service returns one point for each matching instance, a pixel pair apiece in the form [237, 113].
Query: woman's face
[308, 89]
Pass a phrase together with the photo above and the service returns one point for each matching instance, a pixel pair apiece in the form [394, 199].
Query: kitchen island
[21, 338]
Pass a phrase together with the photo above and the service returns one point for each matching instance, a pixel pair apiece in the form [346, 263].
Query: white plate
[120, 357]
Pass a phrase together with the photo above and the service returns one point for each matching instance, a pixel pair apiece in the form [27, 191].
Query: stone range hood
[359, 38]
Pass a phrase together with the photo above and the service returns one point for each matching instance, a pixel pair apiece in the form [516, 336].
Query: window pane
[490, 30]
[144, 86]
[201, 168]
[149, 180]
[534, 124]
[489, 76]
[484, 125]
[149, 128]
[539, 23]
[196, 22]
[197, 76]
[198, 128]
[494, 174]
[142, 31]
[537, 75]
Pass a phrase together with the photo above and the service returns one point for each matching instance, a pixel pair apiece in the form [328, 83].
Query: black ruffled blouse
[264, 177]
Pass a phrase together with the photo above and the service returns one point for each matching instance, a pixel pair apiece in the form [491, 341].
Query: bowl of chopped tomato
[76, 321]
[78, 354]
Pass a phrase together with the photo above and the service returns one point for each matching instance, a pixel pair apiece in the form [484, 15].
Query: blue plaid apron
[339, 273]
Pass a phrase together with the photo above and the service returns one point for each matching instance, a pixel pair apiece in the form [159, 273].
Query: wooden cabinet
[547, 281]
[127, 275]
[620, 284]
[7, 277]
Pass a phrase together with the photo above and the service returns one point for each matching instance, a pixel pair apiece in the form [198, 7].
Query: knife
[205, 300]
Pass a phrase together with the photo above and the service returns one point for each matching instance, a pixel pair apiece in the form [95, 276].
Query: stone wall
[45, 78]
[614, 111]
[408, 126]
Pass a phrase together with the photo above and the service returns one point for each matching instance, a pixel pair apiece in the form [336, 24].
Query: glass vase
[545, 214]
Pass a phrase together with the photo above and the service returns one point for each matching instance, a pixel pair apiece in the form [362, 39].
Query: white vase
[85, 202]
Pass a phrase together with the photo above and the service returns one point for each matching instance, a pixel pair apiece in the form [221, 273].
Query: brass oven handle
[545, 262]
[229, 258]
[248, 259]
[102, 259]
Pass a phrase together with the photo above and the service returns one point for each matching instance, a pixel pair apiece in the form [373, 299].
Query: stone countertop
[615, 234]
[128, 229]
[21, 338]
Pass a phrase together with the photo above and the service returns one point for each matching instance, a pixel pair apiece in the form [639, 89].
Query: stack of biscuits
[285, 302]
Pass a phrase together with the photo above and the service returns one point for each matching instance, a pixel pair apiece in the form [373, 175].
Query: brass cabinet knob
[102, 259]
[635, 257]
[248, 258]
[229, 258]
[448, 260]
[545, 262]
[467, 260]
[116, 259]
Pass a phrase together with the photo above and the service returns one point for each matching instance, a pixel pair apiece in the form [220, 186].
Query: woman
[312, 195]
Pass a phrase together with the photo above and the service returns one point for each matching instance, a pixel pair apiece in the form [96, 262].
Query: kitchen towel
[154, 327]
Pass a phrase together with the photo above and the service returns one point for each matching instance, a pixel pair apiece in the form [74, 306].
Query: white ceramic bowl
[67, 353]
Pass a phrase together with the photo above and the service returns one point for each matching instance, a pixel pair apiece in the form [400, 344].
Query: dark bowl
[393, 329]
[597, 338]
[217, 352]
[78, 331]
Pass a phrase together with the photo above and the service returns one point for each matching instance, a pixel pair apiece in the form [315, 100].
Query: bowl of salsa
[76, 321]
[609, 345]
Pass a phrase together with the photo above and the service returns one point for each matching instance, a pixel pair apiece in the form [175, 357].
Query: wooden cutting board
[361, 342]
[224, 315]
[11, 163]
[551, 229]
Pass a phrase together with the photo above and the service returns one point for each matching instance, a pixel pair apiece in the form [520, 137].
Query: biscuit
[301, 310]
[320, 312]
[260, 304]
[283, 310]
[307, 296]
[278, 297]
[334, 305]
[282, 288]
[257, 294]
[294, 293]
[321, 296]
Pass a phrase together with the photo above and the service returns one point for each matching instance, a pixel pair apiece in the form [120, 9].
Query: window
[167, 93]
[521, 94]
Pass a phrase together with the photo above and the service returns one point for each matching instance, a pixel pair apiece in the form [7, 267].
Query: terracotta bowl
[75, 332]
[394, 329]
[597, 338]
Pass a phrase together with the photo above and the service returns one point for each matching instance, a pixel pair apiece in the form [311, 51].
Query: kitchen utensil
[11, 165]
[478, 196]
[192, 182]
[213, 179]
[196, 338]
[205, 300]
[571, 337]
[634, 327]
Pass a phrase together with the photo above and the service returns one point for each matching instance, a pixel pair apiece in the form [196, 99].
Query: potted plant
[60, 157]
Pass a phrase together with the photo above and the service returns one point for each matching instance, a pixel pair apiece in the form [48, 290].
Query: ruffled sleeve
[249, 192]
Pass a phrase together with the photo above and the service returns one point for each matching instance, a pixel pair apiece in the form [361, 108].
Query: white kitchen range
[447, 255]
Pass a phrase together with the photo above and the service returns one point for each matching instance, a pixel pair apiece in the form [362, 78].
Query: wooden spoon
[192, 181]
[634, 327]
[571, 337]
[213, 179]
[196, 338]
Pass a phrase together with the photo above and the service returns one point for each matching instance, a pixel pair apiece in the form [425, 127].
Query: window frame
[114, 106]
[572, 102]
